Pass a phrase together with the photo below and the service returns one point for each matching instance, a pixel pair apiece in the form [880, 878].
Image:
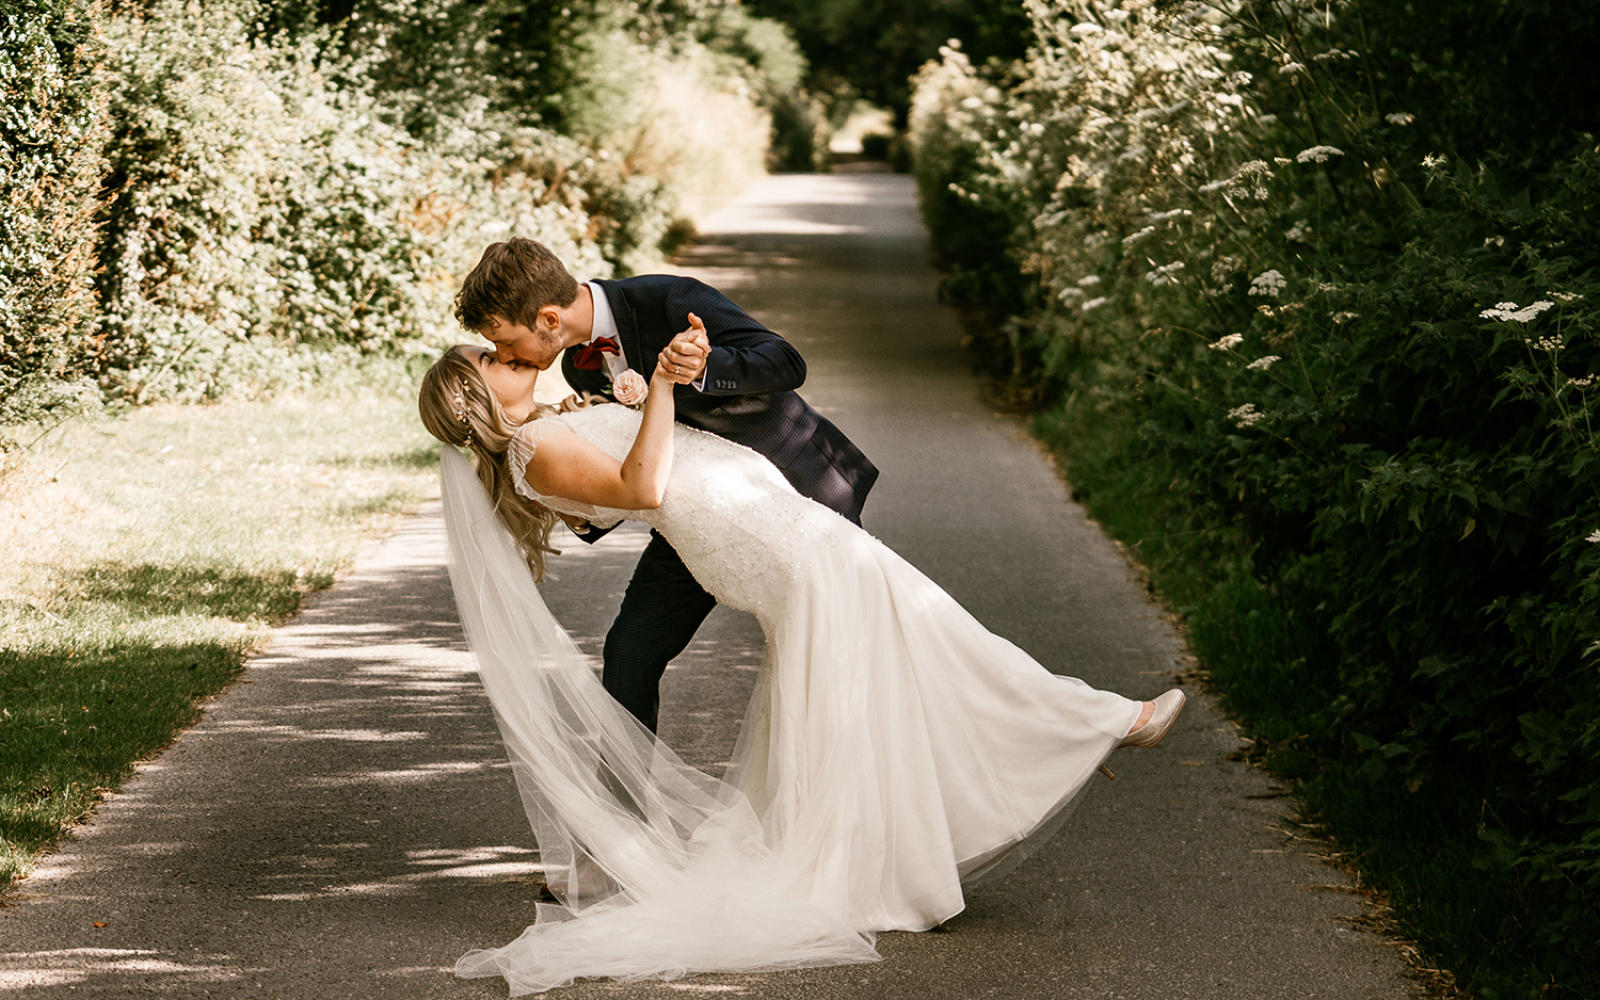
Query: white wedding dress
[892, 748]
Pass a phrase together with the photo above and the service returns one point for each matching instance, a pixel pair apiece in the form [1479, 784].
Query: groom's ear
[548, 318]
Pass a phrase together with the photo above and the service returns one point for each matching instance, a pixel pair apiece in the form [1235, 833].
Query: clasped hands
[684, 358]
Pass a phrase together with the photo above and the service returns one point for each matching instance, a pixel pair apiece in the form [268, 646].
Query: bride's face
[512, 384]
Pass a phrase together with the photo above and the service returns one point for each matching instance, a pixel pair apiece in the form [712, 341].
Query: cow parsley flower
[1094, 304]
[1263, 363]
[1594, 537]
[1317, 154]
[1088, 280]
[1246, 415]
[1565, 297]
[1507, 312]
[1400, 118]
[1227, 343]
[1166, 274]
[1268, 283]
[1430, 161]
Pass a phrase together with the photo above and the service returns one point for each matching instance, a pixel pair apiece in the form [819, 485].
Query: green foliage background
[1310, 303]
[230, 198]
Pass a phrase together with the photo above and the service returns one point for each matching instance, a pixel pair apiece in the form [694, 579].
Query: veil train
[661, 870]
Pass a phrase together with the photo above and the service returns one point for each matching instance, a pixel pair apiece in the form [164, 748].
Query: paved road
[341, 823]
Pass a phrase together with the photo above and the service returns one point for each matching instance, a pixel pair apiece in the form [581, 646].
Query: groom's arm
[746, 357]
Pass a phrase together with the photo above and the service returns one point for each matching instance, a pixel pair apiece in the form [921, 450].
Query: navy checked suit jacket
[750, 380]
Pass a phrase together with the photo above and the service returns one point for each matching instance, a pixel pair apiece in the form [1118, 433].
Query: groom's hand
[684, 358]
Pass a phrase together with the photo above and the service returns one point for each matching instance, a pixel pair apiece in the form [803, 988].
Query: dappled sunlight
[65, 966]
[464, 865]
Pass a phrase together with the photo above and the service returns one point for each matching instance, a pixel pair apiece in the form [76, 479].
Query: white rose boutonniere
[630, 388]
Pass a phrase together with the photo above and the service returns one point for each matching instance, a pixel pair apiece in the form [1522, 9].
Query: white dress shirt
[605, 325]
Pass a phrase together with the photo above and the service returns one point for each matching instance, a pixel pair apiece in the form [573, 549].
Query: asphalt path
[341, 822]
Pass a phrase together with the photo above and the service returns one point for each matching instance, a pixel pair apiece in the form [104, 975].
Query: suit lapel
[627, 328]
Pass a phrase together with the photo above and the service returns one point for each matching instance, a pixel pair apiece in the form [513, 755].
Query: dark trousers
[661, 610]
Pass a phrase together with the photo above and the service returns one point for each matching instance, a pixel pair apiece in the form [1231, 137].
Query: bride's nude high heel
[1162, 716]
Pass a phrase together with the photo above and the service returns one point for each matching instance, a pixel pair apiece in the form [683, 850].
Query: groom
[735, 378]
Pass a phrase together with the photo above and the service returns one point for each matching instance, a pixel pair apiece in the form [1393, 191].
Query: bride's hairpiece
[460, 400]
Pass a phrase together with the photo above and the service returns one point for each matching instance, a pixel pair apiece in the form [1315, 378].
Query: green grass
[144, 558]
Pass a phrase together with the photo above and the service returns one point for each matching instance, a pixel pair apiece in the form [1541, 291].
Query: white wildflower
[1430, 161]
[1246, 415]
[1069, 293]
[1300, 232]
[1133, 238]
[1345, 316]
[1494, 241]
[1551, 344]
[1094, 304]
[972, 103]
[1165, 274]
[1508, 312]
[1267, 119]
[1584, 381]
[1317, 154]
[1226, 343]
[1594, 537]
[1291, 67]
[1565, 297]
[1263, 363]
[1083, 29]
[1089, 280]
[1400, 118]
[1268, 283]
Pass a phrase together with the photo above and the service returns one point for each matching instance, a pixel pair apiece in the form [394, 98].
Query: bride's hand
[684, 359]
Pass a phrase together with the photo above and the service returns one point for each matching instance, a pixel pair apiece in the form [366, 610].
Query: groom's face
[515, 344]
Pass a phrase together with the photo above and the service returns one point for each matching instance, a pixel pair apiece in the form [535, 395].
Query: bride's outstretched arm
[566, 465]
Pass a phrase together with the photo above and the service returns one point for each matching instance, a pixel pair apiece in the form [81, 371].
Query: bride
[892, 749]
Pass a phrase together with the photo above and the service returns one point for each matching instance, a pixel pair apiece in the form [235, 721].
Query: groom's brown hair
[514, 280]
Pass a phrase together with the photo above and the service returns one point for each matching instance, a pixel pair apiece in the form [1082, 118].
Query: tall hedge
[52, 130]
[1312, 302]
[230, 197]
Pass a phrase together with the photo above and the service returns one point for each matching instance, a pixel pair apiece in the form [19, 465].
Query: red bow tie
[589, 355]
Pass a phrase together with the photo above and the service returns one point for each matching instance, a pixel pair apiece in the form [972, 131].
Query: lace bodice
[737, 522]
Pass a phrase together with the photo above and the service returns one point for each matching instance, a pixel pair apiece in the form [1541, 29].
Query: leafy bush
[1338, 380]
[262, 193]
[51, 135]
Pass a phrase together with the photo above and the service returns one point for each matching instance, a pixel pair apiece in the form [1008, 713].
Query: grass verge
[144, 558]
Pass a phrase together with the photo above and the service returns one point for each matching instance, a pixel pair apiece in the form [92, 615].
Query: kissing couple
[893, 747]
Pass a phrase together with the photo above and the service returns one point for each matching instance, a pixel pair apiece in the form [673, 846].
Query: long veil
[660, 869]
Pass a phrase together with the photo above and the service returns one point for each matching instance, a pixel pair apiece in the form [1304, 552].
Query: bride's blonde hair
[458, 408]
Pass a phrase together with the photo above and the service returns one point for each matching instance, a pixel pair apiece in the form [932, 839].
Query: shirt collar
[605, 324]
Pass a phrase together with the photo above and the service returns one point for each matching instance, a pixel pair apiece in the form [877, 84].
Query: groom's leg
[660, 612]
